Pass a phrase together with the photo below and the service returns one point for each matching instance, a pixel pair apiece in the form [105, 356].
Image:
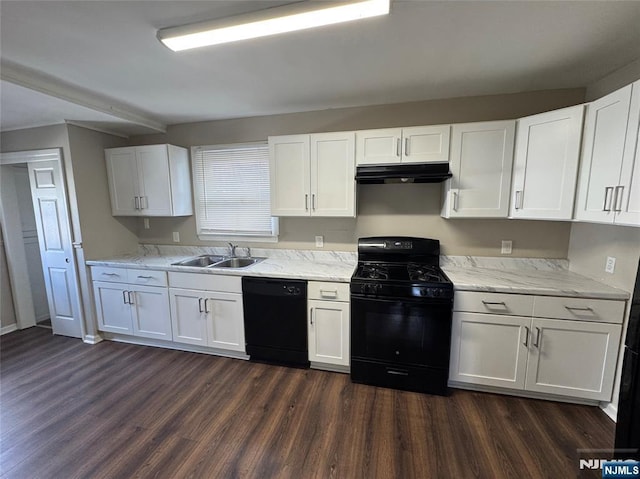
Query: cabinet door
[289, 170]
[573, 358]
[112, 308]
[225, 321]
[122, 173]
[155, 185]
[628, 193]
[332, 174]
[375, 147]
[329, 332]
[426, 144]
[481, 163]
[188, 319]
[489, 349]
[603, 146]
[150, 312]
[546, 165]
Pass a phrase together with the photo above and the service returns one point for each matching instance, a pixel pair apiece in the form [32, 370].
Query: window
[232, 194]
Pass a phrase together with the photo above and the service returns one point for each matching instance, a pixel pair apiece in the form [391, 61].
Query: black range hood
[403, 173]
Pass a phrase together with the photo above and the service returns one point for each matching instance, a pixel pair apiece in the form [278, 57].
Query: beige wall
[384, 209]
[7, 311]
[102, 234]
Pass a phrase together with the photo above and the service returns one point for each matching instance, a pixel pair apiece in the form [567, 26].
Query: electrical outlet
[506, 247]
[176, 237]
[146, 223]
[610, 267]
[319, 241]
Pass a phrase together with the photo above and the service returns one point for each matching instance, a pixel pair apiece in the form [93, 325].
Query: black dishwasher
[275, 320]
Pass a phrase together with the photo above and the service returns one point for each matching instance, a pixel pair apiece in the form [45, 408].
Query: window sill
[248, 239]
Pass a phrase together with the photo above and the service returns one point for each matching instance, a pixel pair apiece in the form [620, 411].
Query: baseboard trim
[121, 338]
[524, 394]
[610, 410]
[92, 339]
[8, 329]
[334, 368]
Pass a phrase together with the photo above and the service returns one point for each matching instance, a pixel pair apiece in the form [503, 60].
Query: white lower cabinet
[328, 330]
[206, 317]
[561, 357]
[130, 308]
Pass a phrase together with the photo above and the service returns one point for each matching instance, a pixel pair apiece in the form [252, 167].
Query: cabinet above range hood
[403, 173]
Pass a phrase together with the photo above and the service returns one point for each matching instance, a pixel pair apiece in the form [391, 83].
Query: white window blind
[232, 191]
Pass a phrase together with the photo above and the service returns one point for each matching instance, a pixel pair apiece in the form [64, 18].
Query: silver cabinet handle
[617, 199]
[311, 315]
[143, 202]
[398, 147]
[200, 305]
[494, 303]
[306, 202]
[329, 294]
[455, 201]
[110, 274]
[607, 205]
[145, 277]
[206, 305]
[137, 202]
[526, 336]
[130, 295]
[572, 308]
[313, 202]
[124, 297]
[406, 147]
[519, 199]
[536, 343]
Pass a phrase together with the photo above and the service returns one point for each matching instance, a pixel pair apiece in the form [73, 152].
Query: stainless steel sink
[200, 261]
[236, 262]
[216, 261]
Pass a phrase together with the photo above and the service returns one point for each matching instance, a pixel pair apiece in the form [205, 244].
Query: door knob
[67, 260]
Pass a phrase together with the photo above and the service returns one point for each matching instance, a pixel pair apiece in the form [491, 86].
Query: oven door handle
[402, 300]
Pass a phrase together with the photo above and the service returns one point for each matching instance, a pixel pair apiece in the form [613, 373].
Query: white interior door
[54, 235]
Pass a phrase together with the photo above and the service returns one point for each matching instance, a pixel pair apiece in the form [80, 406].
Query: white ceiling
[102, 62]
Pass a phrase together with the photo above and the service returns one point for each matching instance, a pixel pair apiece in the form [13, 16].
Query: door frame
[14, 248]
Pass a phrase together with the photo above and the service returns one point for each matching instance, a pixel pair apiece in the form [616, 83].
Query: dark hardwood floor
[71, 410]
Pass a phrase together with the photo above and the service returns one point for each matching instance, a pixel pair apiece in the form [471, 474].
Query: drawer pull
[526, 336]
[145, 277]
[330, 294]
[573, 308]
[124, 297]
[129, 294]
[494, 303]
[397, 372]
[200, 305]
[110, 274]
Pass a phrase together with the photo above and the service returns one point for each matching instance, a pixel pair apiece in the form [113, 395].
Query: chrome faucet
[232, 250]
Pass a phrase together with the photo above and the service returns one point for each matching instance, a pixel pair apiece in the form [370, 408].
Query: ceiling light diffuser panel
[273, 21]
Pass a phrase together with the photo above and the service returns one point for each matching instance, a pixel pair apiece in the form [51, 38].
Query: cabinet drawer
[494, 303]
[206, 282]
[109, 274]
[583, 309]
[328, 291]
[147, 277]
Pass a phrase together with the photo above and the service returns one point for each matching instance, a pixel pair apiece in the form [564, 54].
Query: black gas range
[401, 308]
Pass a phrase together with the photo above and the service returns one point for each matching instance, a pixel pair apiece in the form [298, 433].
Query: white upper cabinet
[481, 163]
[546, 164]
[312, 175]
[419, 144]
[608, 190]
[151, 180]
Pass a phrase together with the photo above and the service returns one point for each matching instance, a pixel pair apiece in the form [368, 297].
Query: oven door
[401, 331]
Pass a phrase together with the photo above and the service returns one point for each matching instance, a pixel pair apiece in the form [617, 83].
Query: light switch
[176, 237]
[506, 247]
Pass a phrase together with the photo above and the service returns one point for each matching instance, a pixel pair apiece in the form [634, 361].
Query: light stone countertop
[548, 277]
[313, 266]
[525, 276]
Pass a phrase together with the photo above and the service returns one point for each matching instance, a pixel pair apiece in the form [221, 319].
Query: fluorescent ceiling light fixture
[289, 18]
